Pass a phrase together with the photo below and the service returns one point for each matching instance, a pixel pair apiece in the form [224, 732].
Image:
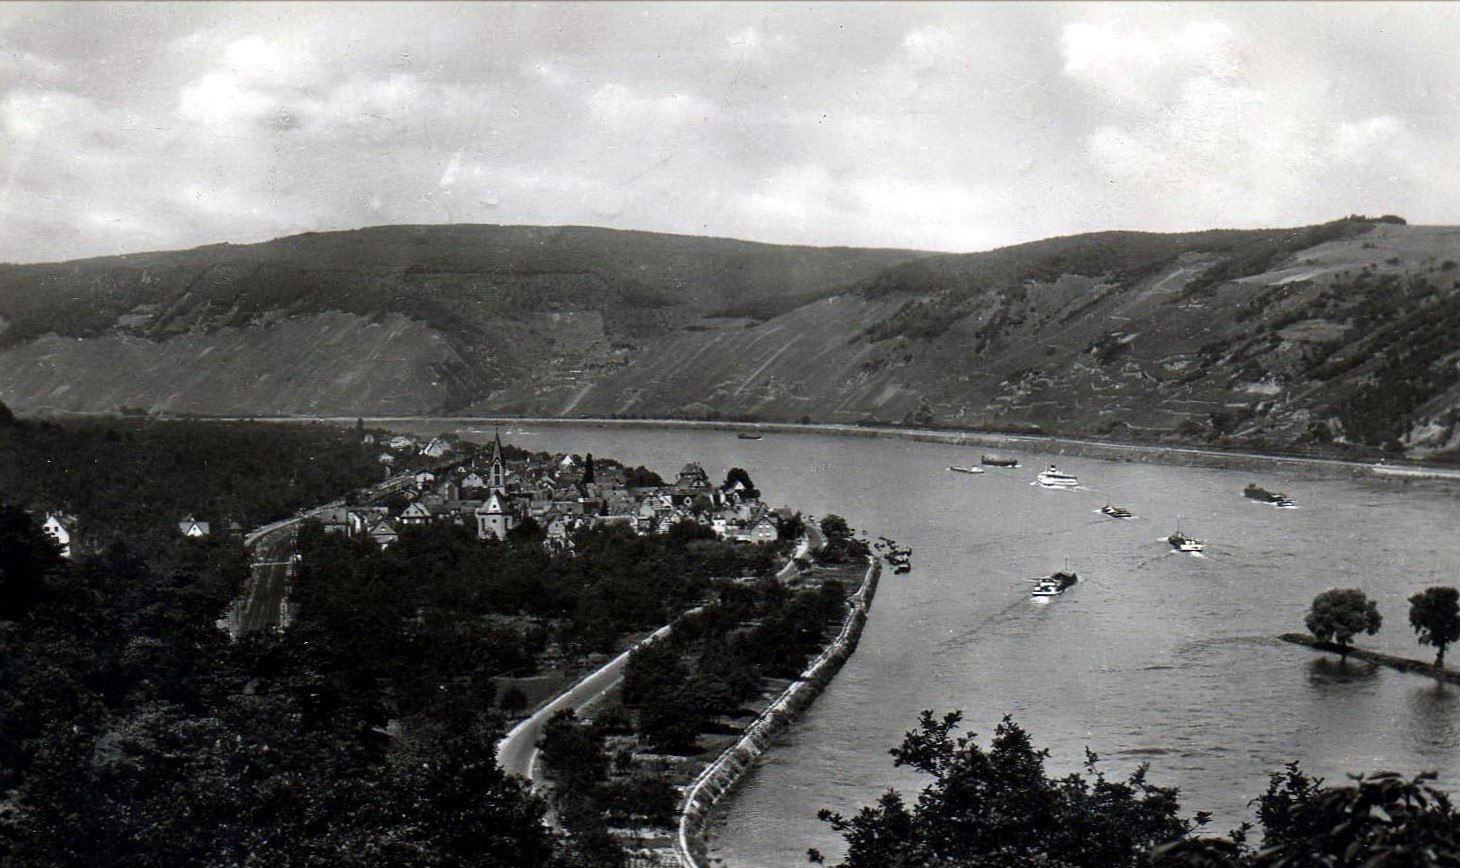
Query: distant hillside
[1344, 335]
[387, 319]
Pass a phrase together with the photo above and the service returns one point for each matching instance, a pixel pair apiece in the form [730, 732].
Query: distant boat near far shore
[746, 436]
[1272, 498]
[997, 460]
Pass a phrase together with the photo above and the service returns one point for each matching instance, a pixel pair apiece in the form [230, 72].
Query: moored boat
[997, 460]
[1053, 478]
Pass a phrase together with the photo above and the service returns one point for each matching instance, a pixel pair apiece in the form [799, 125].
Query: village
[559, 494]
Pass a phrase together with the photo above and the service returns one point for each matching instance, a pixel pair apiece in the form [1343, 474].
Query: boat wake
[980, 629]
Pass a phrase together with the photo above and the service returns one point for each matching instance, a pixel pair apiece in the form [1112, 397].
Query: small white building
[56, 529]
[191, 527]
[494, 520]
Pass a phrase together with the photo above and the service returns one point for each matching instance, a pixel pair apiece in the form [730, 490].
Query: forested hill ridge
[1342, 335]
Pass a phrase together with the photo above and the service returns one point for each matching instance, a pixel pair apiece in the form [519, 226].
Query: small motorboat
[1116, 511]
[1053, 478]
[1053, 585]
[956, 469]
[1183, 543]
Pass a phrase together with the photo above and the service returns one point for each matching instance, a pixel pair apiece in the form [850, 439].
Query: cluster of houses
[494, 495]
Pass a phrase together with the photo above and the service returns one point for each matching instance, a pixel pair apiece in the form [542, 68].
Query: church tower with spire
[497, 469]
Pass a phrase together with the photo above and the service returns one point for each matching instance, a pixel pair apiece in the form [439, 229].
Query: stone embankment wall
[720, 776]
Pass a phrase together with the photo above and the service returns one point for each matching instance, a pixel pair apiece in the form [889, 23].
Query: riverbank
[1373, 466]
[1402, 664]
[719, 778]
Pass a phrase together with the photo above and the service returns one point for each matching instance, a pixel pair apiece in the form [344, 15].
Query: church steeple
[497, 470]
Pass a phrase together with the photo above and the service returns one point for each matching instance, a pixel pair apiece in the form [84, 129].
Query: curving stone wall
[720, 776]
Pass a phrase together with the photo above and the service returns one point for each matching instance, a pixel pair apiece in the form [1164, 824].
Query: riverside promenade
[719, 778]
[517, 751]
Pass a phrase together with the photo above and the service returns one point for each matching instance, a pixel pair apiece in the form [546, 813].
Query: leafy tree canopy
[1340, 614]
[997, 807]
[1435, 616]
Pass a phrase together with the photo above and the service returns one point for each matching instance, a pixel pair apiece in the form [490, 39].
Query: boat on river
[956, 469]
[1183, 543]
[1272, 498]
[1116, 511]
[1053, 478]
[1053, 585]
[996, 460]
[744, 436]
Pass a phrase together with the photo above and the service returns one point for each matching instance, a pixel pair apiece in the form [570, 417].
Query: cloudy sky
[937, 126]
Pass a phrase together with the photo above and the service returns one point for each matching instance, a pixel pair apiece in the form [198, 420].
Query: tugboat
[999, 460]
[956, 469]
[1053, 585]
[1053, 478]
[1183, 543]
[1115, 511]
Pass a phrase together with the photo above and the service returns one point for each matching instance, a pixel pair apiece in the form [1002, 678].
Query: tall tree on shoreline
[1435, 616]
[1340, 614]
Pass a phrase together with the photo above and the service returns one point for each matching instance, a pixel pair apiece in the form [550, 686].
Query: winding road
[517, 751]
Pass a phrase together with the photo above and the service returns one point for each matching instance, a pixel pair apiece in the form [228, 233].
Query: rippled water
[1154, 657]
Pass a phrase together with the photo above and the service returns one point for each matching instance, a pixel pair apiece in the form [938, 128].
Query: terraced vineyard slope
[1343, 336]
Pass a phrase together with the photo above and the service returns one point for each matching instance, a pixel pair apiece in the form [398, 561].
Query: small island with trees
[1340, 614]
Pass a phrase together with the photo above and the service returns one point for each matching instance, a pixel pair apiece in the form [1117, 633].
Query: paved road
[517, 751]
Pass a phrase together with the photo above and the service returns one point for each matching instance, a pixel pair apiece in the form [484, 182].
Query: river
[1154, 657]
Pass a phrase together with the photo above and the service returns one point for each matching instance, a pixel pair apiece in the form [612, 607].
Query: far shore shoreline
[1066, 446]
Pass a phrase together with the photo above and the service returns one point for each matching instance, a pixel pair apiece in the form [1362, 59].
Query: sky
[934, 126]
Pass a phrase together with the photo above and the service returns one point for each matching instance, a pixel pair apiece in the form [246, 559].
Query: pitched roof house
[192, 527]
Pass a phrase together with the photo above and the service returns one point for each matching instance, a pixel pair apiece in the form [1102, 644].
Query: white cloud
[1376, 138]
[928, 46]
[1134, 63]
[926, 125]
[256, 57]
[221, 99]
[622, 106]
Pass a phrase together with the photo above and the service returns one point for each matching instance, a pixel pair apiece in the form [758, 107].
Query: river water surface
[1154, 657]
